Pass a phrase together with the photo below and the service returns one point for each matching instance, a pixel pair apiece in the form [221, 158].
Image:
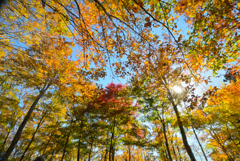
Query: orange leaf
[135, 9]
[141, 4]
[147, 19]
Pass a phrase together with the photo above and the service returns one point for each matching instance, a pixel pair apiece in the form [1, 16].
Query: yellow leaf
[210, 87]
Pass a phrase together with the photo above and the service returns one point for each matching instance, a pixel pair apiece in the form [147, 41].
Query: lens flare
[177, 89]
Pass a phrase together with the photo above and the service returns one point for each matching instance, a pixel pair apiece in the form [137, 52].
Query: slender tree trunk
[129, 153]
[174, 152]
[165, 136]
[113, 153]
[102, 151]
[79, 141]
[222, 146]
[166, 141]
[179, 154]
[184, 137]
[66, 143]
[110, 152]
[39, 124]
[230, 138]
[79, 146]
[6, 139]
[180, 125]
[89, 155]
[111, 145]
[166, 154]
[199, 143]
[105, 158]
[22, 125]
[50, 138]
[65, 146]
[15, 153]
[47, 144]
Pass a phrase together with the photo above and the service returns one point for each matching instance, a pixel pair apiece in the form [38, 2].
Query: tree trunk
[174, 151]
[89, 155]
[65, 146]
[111, 145]
[180, 125]
[49, 140]
[222, 146]
[79, 141]
[184, 137]
[22, 125]
[39, 124]
[199, 144]
[2, 148]
[165, 136]
[113, 153]
[15, 153]
[166, 141]
[179, 154]
[79, 146]
[105, 158]
[47, 144]
[39, 158]
[129, 153]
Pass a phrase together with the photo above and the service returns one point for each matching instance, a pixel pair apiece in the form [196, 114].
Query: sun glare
[177, 89]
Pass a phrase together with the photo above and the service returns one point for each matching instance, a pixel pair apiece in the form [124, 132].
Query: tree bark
[5, 140]
[180, 125]
[65, 146]
[39, 124]
[222, 146]
[39, 158]
[79, 146]
[179, 154]
[79, 141]
[105, 158]
[15, 152]
[174, 151]
[199, 144]
[111, 151]
[165, 136]
[22, 125]
[129, 152]
[184, 137]
[47, 144]
[89, 155]
[49, 140]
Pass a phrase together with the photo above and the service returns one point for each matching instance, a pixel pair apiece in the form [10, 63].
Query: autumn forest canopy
[179, 59]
